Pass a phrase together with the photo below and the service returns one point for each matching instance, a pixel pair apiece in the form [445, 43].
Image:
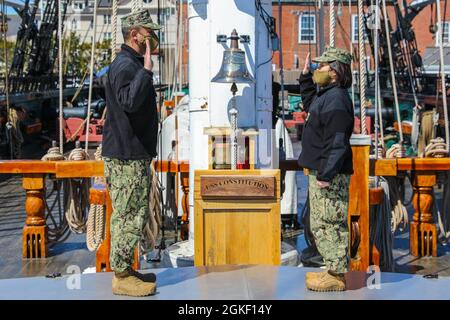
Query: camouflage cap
[332, 54]
[140, 18]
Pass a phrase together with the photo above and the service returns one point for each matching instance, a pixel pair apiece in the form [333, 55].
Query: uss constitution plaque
[238, 186]
[237, 217]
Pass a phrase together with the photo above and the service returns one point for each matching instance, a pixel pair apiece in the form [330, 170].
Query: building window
[307, 28]
[355, 29]
[107, 36]
[106, 19]
[75, 24]
[446, 35]
[147, 1]
[78, 5]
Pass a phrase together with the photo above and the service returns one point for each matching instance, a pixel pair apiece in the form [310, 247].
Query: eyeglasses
[150, 36]
[146, 37]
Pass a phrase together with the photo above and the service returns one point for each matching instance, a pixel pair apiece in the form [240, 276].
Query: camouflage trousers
[328, 219]
[129, 186]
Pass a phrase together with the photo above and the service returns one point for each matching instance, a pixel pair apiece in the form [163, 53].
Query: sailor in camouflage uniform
[327, 153]
[129, 144]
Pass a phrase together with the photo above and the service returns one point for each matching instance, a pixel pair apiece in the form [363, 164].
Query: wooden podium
[237, 217]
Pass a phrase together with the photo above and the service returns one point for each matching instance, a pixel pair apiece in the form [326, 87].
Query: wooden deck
[74, 251]
[12, 216]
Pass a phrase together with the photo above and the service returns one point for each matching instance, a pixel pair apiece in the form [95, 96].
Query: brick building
[300, 31]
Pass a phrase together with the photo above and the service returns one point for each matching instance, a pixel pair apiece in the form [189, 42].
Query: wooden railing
[423, 229]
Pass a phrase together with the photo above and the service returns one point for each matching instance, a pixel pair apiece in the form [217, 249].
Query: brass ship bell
[234, 68]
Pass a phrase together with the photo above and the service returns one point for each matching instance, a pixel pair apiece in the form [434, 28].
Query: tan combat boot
[329, 281]
[146, 277]
[130, 285]
[313, 275]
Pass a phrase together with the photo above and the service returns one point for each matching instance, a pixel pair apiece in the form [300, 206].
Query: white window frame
[310, 15]
[446, 31]
[75, 25]
[355, 35]
[78, 6]
[107, 19]
[107, 35]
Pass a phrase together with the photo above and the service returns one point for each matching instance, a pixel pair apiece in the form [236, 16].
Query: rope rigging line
[332, 22]
[399, 150]
[442, 72]
[9, 125]
[377, 101]
[362, 67]
[115, 7]
[60, 71]
[91, 75]
[135, 6]
[351, 52]
[280, 25]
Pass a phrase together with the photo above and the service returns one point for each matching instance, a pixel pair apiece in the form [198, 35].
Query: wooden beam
[27, 166]
[171, 166]
[79, 169]
[383, 167]
[423, 164]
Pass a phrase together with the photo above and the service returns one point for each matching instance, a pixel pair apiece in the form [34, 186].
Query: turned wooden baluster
[34, 237]
[184, 232]
[423, 231]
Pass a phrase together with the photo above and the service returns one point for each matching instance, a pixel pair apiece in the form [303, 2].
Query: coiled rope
[395, 151]
[95, 233]
[53, 154]
[437, 148]
[76, 195]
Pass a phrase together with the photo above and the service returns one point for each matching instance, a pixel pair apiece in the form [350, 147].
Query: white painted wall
[210, 102]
